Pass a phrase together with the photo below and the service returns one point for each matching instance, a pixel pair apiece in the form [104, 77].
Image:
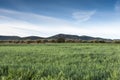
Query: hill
[75, 37]
[9, 38]
[66, 36]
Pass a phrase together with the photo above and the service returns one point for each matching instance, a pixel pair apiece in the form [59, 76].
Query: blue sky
[98, 18]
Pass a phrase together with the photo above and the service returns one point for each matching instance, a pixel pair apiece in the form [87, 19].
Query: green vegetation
[63, 61]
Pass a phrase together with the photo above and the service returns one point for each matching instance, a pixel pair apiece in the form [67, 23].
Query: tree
[44, 41]
[52, 41]
[38, 41]
[61, 40]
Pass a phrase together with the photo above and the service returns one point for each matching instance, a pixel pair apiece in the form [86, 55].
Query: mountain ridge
[66, 36]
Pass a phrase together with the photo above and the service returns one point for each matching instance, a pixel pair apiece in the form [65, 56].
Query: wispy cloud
[82, 16]
[27, 24]
[30, 17]
[117, 6]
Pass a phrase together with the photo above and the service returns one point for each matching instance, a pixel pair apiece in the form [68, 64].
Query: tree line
[58, 40]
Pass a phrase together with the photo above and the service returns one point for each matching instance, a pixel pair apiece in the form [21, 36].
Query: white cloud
[30, 17]
[82, 16]
[27, 29]
[27, 24]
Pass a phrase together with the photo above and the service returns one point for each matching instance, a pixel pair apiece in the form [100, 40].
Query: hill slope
[66, 36]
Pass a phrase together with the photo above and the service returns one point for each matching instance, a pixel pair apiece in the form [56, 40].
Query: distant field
[64, 61]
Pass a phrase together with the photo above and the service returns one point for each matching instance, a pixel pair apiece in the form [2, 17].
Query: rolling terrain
[66, 36]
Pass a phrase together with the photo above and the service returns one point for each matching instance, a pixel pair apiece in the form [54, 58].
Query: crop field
[63, 61]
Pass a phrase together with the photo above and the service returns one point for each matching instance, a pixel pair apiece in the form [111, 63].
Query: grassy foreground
[67, 61]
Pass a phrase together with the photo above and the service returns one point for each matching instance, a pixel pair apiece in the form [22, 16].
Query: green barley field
[63, 61]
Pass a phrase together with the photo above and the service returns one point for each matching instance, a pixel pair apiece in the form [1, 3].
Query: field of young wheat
[65, 61]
